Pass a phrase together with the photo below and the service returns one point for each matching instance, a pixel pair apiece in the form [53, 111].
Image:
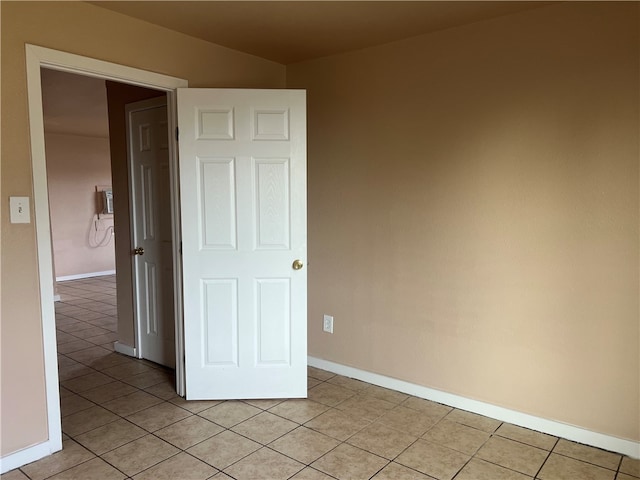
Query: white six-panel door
[243, 208]
[147, 138]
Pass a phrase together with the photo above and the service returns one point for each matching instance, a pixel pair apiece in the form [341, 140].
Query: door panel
[243, 210]
[150, 182]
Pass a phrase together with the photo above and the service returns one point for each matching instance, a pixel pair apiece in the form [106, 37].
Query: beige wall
[86, 30]
[473, 212]
[82, 242]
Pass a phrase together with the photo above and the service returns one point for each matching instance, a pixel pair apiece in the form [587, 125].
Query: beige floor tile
[148, 379]
[140, 454]
[72, 326]
[427, 407]
[382, 440]
[474, 420]
[264, 463]
[163, 391]
[221, 476]
[182, 466]
[88, 356]
[433, 460]
[624, 476]
[107, 361]
[224, 449]
[64, 321]
[72, 454]
[365, 406]
[189, 432]
[104, 339]
[337, 424]
[329, 394]
[63, 337]
[86, 382]
[108, 392]
[264, 427]
[346, 382]
[158, 416]
[513, 455]
[348, 462]
[65, 393]
[127, 369]
[408, 420]
[558, 467]
[86, 314]
[73, 404]
[309, 473]
[131, 403]
[395, 471]
[230, 413]
[456, 436]
[588, 454]
[95, 469]
[108, 323]
[385, 394]
[630, 466]
[85, 333]
[524, 435]
[318, 374]
[73, 371]
[14, 475]
[64, 361]
[478, 469]
[194, 406]
[265, 404]
[111, 436]
[312, 382]
[304, 445]
[86, 420]
[299, 410]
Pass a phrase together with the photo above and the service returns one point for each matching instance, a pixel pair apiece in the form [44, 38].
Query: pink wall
[75, 166]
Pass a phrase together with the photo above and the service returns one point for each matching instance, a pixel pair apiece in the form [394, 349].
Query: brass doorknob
[297, 265]
[138, 251]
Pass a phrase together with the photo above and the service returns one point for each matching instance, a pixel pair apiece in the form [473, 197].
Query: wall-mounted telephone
[107, 201]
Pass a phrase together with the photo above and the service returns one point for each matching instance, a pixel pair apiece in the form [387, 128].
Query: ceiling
[293, 31]
[285, 32]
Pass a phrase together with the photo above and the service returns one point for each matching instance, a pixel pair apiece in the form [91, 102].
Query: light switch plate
[19, 207]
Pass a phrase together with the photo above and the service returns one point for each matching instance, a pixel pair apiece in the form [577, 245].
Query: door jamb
[36, 58]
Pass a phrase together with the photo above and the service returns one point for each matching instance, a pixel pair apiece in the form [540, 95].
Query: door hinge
[180, 248]
[177, 134]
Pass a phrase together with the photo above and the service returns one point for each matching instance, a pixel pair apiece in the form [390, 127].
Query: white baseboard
[85, 275]
[125, 349]
[551, 427]
[27, 455]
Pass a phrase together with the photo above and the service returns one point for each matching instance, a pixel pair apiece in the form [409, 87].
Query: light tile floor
[122, 419]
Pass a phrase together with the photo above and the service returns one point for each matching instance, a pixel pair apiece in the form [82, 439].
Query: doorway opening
[37, 59]
[95, 190]
[94, 193]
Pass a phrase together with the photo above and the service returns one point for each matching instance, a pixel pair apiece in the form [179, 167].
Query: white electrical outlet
[327, 324]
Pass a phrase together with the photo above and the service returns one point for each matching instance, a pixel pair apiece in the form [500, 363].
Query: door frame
[40, 57]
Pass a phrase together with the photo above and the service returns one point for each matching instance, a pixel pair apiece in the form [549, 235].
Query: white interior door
[244, 243]
[147, 137]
